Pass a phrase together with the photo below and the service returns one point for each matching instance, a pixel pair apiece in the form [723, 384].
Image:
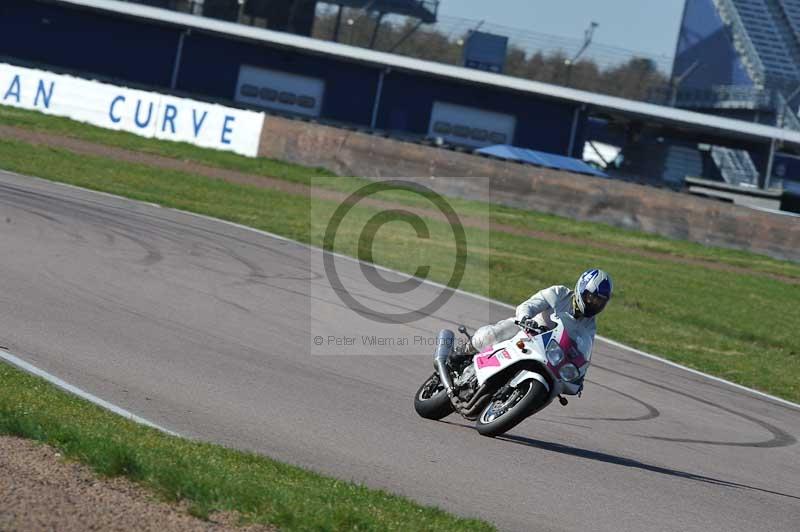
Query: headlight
[554, 353]
[569, 372]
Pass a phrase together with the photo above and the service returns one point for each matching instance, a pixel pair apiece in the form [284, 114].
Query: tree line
[635, 78]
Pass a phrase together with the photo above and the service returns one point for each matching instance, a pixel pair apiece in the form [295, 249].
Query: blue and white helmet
[592, 292]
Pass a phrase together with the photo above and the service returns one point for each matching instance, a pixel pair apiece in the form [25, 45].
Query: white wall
[148, 114]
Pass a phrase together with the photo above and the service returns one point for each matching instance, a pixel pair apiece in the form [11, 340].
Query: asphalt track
[207, 329]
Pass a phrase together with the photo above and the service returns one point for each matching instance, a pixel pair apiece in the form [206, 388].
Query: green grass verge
[35, 121]
[715, 321]
[210, 477]
[634, 241]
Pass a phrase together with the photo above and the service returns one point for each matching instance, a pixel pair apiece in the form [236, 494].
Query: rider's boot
[461, 354]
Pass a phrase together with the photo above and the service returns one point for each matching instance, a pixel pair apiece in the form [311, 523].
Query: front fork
[444, 346]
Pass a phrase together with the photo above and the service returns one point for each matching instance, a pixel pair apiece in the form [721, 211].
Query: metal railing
[731, 97]
[790, 12]
[786, 117]
[741, 40]
[735, 166]
[716, 97]
[194, 7]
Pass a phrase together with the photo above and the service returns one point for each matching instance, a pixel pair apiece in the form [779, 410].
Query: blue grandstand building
[740, 58]
[190, 53]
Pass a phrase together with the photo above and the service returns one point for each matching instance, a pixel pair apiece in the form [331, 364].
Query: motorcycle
[506, 382]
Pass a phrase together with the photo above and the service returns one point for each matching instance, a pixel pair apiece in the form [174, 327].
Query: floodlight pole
[678, 80]
[472, 30]
[408, 34]
[240, 15]
[176, 66]
[587, 40]
[374, 37]
[338, 24]
[770, 163]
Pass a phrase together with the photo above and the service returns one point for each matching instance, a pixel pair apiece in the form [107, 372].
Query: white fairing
[542, 306]
[526, 375]
[502, 355]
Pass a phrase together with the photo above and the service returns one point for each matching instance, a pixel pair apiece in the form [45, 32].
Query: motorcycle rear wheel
[431, 401]
[506, 412]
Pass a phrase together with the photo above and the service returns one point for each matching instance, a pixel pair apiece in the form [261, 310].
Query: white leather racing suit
[541, 305]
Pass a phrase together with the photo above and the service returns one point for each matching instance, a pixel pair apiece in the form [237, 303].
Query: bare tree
[633, 79]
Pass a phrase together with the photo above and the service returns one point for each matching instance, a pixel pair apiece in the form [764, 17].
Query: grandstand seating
[739, 58]
[736, 166]
[760, 36]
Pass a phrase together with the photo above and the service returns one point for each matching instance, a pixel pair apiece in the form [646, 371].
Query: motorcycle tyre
[535, 397]
[436, 407]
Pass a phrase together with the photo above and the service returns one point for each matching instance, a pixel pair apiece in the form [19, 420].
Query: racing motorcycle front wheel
[431, 401]
[510, 406]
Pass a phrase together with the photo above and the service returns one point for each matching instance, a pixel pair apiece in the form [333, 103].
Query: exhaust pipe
[444, 346]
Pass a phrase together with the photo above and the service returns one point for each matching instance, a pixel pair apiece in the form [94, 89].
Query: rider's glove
[531, 325]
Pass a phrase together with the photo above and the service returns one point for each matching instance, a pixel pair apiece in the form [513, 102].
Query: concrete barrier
[658, 211]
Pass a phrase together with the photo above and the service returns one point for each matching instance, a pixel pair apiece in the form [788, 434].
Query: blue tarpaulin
[540, 158]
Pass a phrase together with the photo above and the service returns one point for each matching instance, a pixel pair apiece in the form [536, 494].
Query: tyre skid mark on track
[705, 378]
[144, 223]
[145, 226]
[202, 338]
[110, 215]
[696, 377]
[558, 422]
[105, 214]
[631, 463]
[598, 456]
[780, 438]
[36, 211]
[113, 226]
[652, 412]
[152, 254]
[644, 470]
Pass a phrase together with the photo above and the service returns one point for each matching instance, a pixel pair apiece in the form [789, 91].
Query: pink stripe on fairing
[487, 350]
[486, 361]
[566, 345]
[564, 342]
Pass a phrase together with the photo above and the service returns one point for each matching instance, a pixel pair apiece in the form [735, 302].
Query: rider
[577, 310]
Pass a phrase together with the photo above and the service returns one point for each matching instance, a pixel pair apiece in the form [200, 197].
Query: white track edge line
[52, 379]
[433, 283]
[501, 304]
[700, 373]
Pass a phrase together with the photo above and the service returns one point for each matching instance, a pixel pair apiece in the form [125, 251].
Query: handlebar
[529, 324]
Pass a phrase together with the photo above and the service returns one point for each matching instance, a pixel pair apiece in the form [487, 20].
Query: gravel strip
[39, 490]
